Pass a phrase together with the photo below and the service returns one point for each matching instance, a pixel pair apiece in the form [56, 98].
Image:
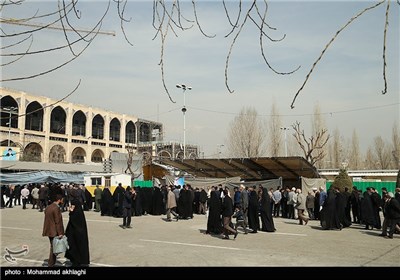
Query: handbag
[60, 245]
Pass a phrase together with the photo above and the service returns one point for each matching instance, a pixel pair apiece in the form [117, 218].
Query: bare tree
[246, 134]
[382, 153]
[396, 146]
[312, 147]
[169, 18]
[274, 131]
[336, 149]
[354, 159]
[370, 161]
[318, 124]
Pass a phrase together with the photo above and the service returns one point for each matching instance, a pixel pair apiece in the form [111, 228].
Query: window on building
[107, 182]
[96, 181]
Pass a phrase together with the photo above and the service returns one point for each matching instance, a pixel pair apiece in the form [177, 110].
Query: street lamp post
[11, 110]
[285, 129]
[219, 146]
[184, 88]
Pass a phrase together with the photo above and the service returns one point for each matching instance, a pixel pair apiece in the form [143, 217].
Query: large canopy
[23, 178]
[289, 168]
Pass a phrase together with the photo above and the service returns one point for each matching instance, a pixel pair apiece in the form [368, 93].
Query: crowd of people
[253, 208]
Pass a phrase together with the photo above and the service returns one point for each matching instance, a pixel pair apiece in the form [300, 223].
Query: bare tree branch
[234, 25]
[313, 147]
[327, 46]
[20, 56]
[197, 21]
[384, 48]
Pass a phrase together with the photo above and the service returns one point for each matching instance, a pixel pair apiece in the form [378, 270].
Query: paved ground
[155, 242]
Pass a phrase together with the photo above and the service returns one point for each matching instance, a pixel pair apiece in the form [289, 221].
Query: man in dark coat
[53, 225]
[127, 208]
[227, 212]
[392, 211]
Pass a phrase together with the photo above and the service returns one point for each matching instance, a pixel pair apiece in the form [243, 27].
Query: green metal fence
[390, 186]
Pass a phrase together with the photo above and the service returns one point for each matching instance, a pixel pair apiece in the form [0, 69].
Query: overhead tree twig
[327, 46]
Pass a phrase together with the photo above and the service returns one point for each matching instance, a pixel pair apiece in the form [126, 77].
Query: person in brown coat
[53, 225]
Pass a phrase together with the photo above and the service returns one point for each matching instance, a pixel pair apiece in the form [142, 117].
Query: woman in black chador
[329, 215]
[107, 202]
[76, 232]
[214, 223]
[254, 221]
[267, 222]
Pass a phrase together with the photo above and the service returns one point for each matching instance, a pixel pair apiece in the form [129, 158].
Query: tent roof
[246, 168]
[51, 166]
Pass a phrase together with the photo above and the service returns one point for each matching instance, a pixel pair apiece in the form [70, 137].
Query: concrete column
[123, 130]
[89, 119]
[68, 132]
[46, 129]
[21, 121]
[107, 134]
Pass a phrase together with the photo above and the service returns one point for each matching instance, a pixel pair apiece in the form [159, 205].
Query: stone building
[45, 130]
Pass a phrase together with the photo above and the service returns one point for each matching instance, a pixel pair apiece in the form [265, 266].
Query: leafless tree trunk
[396, 146]
[354, 160]
[370, 159]
[274, 132]
[246, 135]
[318, 124]
[382, 153]
[336, 149]
[312, 147]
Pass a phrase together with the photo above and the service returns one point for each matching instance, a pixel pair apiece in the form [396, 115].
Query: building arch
[34, 116]
[179, 155]
[57, 154]
[98, 127]
[164, 154]
[144, 132]
[58, 120]
[9, 104]
[32, 152]
[97, 156]
[156, 133]
[192, 155]
[4, 143]
[115, 129]
[130, 133]
[79, 124]
[78, 155]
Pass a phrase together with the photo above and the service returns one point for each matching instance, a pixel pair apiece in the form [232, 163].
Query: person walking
[25, 195]
[171, 205]
[35, 197]
[53, 226]
[227, 212]
[301, 207]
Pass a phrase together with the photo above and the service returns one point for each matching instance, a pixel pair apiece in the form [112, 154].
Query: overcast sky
[347, 83]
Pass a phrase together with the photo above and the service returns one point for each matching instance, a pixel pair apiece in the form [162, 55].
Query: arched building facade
[45, 130]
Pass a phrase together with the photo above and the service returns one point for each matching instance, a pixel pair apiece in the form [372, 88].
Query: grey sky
[118, 77]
